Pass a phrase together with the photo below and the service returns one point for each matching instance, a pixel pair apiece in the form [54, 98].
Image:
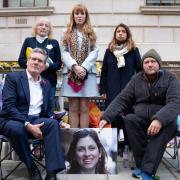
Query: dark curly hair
[75, 168]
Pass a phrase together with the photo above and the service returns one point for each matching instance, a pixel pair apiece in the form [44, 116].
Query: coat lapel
[44, 92]
[25, 86]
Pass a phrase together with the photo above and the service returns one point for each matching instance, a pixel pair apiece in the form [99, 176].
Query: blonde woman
[79, 53]
[42, 38]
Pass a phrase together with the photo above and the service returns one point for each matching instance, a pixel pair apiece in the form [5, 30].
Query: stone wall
[173, 67]
[152, 30]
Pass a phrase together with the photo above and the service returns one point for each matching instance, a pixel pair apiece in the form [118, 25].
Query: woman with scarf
[121, 60]
[79, 53]
[42, 38]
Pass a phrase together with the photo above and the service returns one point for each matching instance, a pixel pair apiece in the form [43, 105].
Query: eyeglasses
[36, 59]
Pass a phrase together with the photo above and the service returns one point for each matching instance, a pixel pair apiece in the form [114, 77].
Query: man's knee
[15, 129]
[170, 130]
[51, 122]
[129, 119]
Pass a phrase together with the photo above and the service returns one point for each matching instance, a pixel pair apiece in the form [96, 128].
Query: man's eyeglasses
[36, 59]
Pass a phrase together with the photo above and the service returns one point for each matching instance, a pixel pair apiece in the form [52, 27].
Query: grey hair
[41, 51]
[38, 21]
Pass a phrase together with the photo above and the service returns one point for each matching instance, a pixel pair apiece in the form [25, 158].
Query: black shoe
[50, 176]
[34, 173]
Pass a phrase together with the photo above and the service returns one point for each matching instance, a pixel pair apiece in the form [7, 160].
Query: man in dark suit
[26, 112]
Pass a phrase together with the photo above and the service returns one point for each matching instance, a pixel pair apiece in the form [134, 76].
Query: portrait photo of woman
[89, 152]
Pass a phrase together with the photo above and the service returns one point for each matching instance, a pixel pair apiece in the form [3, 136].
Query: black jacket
[159, 101]
[114, 79]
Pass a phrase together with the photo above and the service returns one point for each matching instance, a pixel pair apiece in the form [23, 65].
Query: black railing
[22, 3]
[163, 2]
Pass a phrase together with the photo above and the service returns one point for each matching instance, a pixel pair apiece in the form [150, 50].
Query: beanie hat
[154, 54]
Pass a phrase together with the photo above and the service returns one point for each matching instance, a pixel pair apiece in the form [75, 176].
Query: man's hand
[35, 130]
[104, 96]
[154, 127]
[102, 123]
[64, 125]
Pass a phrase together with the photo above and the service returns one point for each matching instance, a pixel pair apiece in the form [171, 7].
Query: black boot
[34, 173]
[51, 176]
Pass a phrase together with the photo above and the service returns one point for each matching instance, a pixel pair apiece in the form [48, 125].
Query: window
[161, 7]
[163, 2]
[25, 3]
[25, 8]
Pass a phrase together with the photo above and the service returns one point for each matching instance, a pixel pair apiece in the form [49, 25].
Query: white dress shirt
[36, 96]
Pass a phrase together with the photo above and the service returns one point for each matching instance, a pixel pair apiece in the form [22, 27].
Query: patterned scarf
[119, 52]
[73, 80]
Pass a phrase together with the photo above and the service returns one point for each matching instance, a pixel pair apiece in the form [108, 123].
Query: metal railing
[25, 3]
[163, 2]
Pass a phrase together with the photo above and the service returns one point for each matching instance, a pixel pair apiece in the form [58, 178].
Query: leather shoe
[34, 173]
[51, 176]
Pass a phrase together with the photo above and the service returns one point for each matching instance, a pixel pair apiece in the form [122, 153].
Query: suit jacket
[16, 98]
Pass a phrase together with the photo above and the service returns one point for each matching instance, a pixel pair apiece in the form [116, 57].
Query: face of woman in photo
[121, 35]
[43, 29]
[79, 17]
[87, 153]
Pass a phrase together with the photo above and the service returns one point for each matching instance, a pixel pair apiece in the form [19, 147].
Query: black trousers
[119, 124]
[147, 150]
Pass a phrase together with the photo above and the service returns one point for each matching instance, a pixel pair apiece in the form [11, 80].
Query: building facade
[152, 26]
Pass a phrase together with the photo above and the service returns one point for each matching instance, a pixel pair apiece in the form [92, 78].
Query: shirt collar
[31, 78]
[41, 39]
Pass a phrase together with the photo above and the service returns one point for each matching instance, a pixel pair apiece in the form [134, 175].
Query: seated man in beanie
[26, 113]
[153, 96]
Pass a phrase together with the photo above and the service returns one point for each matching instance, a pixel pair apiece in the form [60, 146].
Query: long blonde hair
[38, 21]
[87, 28]
[129, 41]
